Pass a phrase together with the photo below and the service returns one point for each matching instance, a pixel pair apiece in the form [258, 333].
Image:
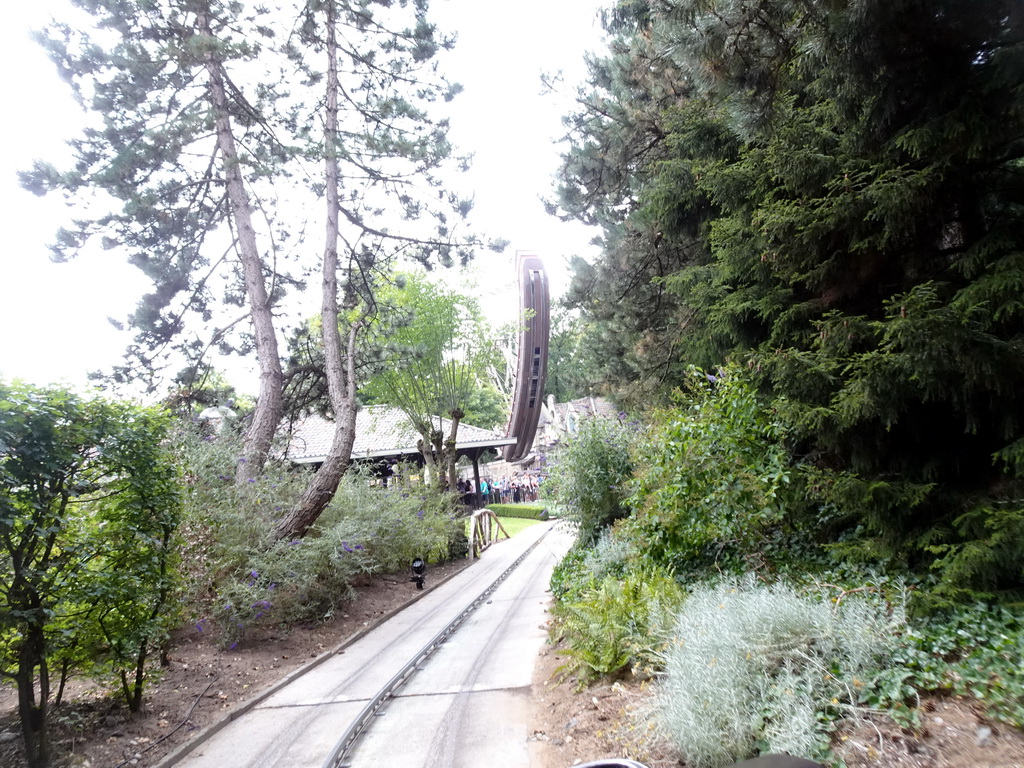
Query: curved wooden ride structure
[533, 357]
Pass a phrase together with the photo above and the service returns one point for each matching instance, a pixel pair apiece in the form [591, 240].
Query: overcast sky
[53, 323]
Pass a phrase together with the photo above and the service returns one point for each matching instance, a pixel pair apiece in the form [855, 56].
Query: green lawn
[516, 524]
[511, 524]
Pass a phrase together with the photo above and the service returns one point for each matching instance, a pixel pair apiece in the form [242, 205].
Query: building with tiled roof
[384, 433]
[561, 420]
[558, 423]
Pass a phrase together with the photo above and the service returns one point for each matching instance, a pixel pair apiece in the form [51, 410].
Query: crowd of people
[520, 487]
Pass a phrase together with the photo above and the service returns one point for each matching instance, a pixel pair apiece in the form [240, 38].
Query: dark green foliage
[569, 375]
[568, 573]
[831, 196]
[196, 388]
[88, 514]
[618, 623]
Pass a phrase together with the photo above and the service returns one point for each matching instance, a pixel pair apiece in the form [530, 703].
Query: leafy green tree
[88, 511]
[839, 187]
[485, 407]
[570, 359]
[435, 368]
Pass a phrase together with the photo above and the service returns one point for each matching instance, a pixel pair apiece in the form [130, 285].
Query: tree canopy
[207, 150]
[436, 366]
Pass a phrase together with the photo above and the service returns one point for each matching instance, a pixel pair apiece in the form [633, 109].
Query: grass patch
[516, 524]
[512, 525]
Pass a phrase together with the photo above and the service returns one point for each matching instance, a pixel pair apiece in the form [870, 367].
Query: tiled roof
[381, 431]
[590, 406]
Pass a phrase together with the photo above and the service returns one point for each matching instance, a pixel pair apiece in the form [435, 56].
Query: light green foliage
[762, 668]
[256, 579]
[88, 514]
[610, 556]
[618, 621]
[485, 407]
[590, 476]
[711, 476]
[435, 365]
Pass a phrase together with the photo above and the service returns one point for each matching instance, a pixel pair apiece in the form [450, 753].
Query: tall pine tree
[847, 180]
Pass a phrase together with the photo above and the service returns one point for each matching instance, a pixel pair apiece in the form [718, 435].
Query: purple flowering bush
[394, 525]
[240, 576]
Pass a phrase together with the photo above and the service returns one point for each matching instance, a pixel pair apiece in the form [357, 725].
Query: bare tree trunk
[267, 416]
[32, 711]
[429, 446]
[339, 365]
[449, 454]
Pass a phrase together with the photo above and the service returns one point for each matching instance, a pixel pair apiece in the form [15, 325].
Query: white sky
[53, 317]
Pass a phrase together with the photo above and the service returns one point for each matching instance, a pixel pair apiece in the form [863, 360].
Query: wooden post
[484, 528]
[476, 480]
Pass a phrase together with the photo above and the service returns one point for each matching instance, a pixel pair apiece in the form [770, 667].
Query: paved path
[468, 706]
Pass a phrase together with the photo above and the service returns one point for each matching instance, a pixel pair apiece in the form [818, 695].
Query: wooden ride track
[532, 366]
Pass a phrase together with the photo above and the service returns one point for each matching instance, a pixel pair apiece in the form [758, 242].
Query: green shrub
[241, 576]
[610, 556]
[396, 525]
[89, 507]
[974, 651]
[570, 574]
[590, 477]
[528, 511]
[711, 478]
[618, 622]
[755, 668]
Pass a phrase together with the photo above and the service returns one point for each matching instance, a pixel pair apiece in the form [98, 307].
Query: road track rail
[337, 756]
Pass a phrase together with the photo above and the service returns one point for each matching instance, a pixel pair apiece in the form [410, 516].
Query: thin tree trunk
[339, 364]
[269, 404]
[65, 669]
[449, 455]
[32, 656]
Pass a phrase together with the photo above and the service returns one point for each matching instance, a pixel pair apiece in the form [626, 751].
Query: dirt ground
[570, 727]
[204, 682]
